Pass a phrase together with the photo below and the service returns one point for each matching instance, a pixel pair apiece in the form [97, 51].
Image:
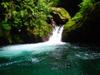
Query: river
[49, 58]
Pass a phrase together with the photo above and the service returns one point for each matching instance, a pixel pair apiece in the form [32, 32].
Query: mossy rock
[61, 12]
[86, 7]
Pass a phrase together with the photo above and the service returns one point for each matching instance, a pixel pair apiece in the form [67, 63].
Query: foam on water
[55, 39]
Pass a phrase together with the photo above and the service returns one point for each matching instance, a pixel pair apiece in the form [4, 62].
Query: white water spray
[56, 35]
[15, 50]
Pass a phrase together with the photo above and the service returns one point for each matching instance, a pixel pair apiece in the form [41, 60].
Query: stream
[55, 60]
[49, 58]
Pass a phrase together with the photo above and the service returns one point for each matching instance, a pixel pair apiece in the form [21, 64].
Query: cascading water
[50, 58]
[56, 35]
[55, 39]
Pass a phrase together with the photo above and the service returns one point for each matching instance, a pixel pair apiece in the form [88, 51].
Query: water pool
[55, 60]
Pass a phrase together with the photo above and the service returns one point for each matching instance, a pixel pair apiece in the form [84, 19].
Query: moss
[80, 17]
[61, 12]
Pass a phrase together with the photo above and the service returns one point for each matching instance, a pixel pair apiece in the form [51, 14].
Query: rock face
[60, 15]
[89, 32]
[72, 6]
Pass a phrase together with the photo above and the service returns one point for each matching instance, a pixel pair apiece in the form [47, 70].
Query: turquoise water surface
[62, 59]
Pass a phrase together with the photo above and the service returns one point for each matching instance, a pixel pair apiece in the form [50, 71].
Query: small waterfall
[56, 36]
[16, 50]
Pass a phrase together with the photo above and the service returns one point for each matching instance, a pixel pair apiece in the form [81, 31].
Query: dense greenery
[30, 17]
[86, 8]
[29, 13]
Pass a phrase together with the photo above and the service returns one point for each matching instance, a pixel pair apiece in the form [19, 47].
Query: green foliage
[6, 26]
[30, 15]
[81, 15]
[26, 13]
[85, 6]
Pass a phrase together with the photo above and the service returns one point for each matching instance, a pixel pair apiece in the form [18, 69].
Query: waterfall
[56, 36]
[55, 39]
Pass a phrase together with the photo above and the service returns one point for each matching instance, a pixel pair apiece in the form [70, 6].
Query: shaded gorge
[31, 37]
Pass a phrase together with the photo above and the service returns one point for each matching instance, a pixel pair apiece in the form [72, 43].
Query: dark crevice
[72, 6]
